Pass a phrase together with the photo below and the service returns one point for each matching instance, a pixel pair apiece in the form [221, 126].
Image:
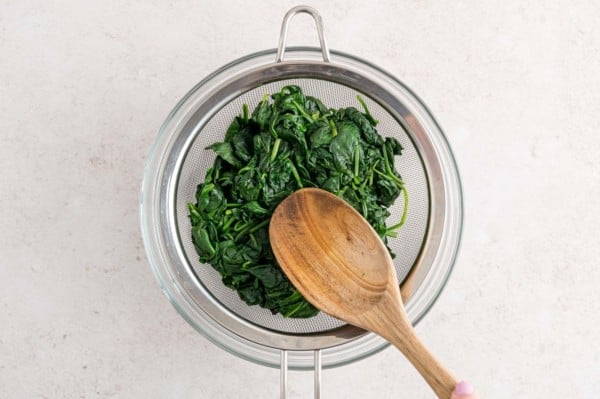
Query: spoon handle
[435, 374]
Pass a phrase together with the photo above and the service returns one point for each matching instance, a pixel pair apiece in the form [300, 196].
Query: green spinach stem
[366, 109]
[356, 163]
[260, 225]
[245, 113]
[334, 131]
[272, 128]
[227, 224]
[240, 226]
[295, 174]
[302, 111]
[275, 149]
[403, 217]
[193, 211]
[251, 229]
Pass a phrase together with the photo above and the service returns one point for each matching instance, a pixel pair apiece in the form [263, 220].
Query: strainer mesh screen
[407, 245]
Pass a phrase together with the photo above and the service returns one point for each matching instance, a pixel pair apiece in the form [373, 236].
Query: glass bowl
[162, 239]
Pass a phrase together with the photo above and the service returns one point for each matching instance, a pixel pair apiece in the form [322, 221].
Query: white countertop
[84, 87]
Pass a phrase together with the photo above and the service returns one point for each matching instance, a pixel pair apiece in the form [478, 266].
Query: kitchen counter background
[85, 85]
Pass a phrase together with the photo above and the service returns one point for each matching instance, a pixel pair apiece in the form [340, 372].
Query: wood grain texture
[338, 262]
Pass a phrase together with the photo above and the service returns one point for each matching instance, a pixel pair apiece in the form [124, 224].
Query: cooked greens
[291, 142]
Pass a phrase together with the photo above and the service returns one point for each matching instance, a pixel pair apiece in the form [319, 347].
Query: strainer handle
[284, 29]
[284, 371]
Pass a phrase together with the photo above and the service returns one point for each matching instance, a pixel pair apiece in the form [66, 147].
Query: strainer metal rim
[150, 209]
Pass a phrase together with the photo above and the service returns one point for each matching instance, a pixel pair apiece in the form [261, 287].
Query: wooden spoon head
[332, 255]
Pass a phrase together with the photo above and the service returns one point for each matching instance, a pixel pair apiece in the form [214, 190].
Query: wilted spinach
[291, 142]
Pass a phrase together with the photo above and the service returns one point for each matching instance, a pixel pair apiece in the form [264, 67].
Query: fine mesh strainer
[426, 245]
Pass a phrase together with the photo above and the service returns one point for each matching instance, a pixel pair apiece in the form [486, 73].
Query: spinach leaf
[291, 142]
[225, 151]
[344, 145]
[320, 134]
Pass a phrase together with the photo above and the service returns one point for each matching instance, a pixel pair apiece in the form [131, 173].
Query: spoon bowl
[337, 261]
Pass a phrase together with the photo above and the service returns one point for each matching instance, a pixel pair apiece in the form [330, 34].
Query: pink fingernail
[463, 388]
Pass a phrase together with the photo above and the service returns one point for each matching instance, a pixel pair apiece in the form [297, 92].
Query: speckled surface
[85, 85]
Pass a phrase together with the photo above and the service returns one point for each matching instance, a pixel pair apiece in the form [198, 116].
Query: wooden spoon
[339, 264]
